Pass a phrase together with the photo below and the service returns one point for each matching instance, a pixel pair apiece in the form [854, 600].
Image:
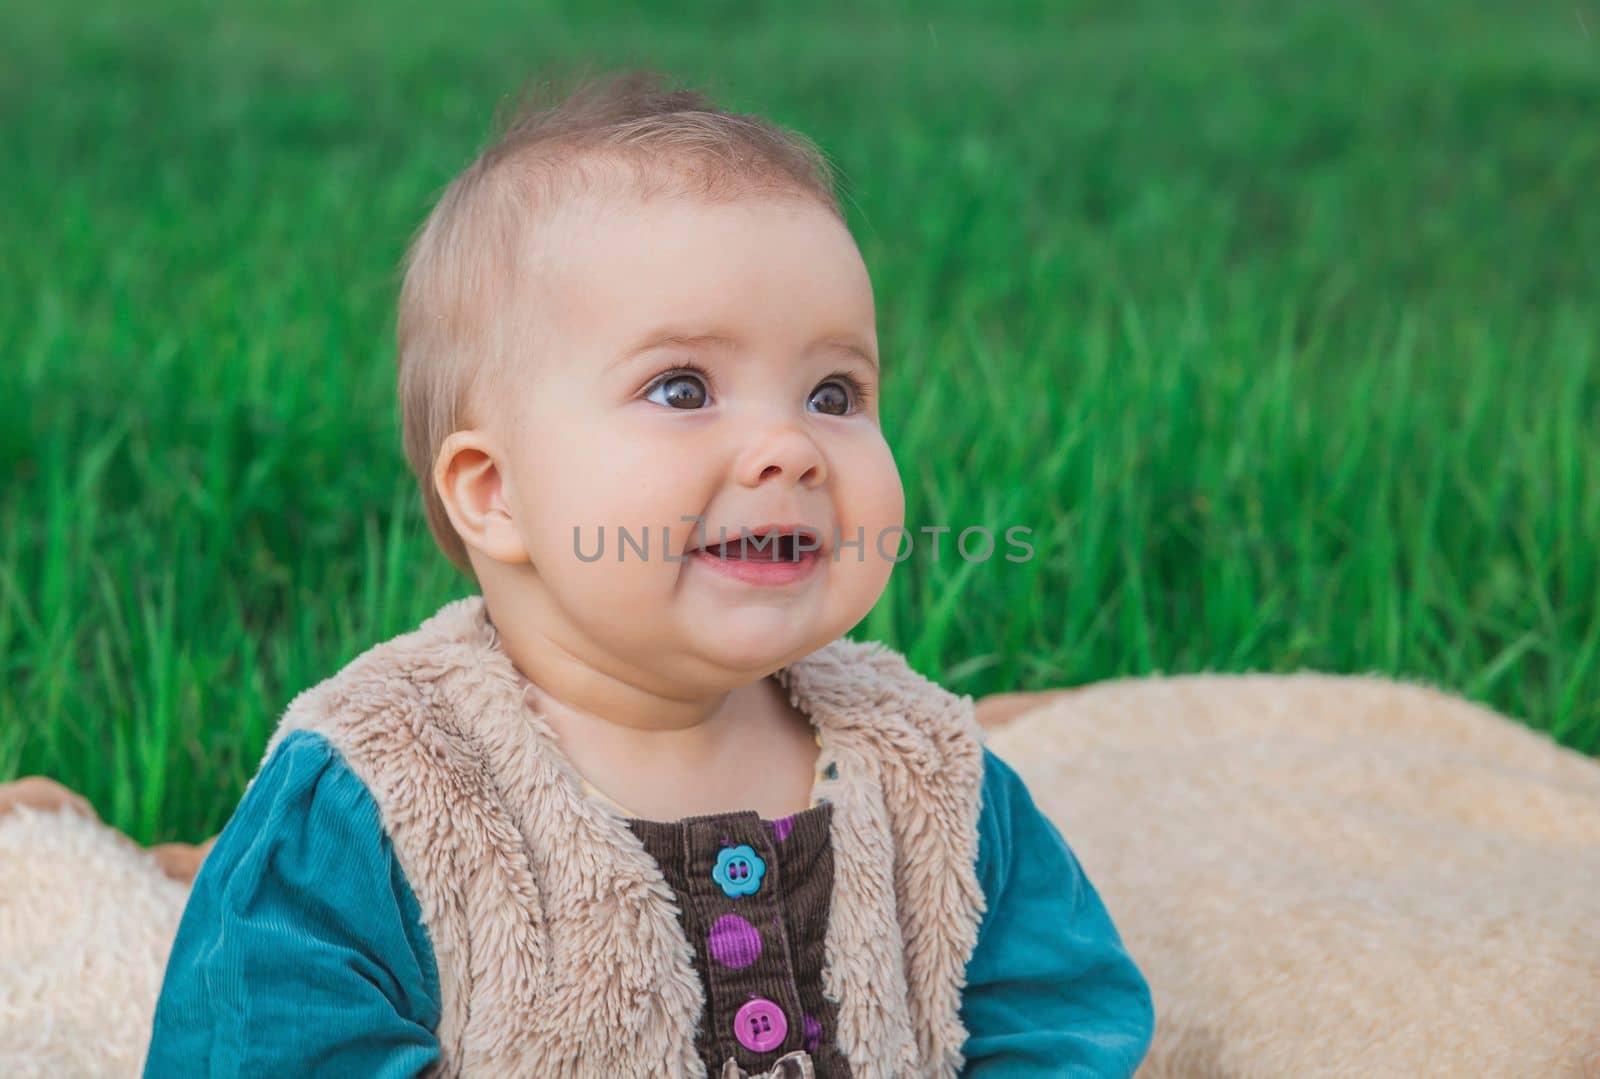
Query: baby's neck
[759, 753]
[650, 746]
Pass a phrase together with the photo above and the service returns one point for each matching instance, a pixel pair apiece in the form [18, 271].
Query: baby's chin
[759, 640]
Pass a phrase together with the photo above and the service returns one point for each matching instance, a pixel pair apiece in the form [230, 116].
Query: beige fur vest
[557, 939]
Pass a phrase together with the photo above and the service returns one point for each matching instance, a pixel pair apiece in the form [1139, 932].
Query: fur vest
[557, 939]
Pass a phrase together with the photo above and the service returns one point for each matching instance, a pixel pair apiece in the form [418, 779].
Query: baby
[641, 808]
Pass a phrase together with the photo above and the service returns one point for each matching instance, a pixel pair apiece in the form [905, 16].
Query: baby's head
[631, 311]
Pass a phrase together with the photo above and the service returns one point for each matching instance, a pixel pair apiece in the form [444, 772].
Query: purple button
[760, 1025]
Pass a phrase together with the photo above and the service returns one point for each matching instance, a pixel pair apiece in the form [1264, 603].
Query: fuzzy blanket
[1333, 876]
[86, 922]
[1320, 875]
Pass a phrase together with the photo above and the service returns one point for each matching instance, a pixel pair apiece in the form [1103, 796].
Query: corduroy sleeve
[301, 950]
[1050, 991]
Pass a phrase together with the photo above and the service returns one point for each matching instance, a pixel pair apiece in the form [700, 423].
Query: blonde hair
[624, 133]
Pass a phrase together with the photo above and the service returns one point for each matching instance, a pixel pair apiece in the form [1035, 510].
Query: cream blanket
[1333, 876]
[1320, 875]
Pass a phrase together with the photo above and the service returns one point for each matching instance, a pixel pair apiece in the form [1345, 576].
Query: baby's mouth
[784, 548]
[776, 543]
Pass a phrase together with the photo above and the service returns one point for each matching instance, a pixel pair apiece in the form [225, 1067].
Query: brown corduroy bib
[559, 945]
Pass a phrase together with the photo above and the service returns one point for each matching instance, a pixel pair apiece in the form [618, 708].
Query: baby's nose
[782, 452]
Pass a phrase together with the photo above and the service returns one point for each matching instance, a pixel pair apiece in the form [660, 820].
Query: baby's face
[610, 428]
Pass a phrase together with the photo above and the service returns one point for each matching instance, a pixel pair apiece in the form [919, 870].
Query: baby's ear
[470, 483]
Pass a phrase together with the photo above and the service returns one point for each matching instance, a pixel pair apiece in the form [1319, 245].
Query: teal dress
[302, 950]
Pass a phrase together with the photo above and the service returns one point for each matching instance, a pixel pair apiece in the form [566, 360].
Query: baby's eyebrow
[850, 345]
[662, 338]
[659, 338]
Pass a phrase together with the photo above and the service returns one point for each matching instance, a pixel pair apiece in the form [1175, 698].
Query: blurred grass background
[1275, 321]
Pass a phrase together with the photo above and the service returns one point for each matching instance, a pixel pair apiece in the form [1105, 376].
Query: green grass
[1275, 321]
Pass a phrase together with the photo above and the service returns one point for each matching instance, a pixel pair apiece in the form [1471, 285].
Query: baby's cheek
[877, 496]
[871, 514]
[619, 601]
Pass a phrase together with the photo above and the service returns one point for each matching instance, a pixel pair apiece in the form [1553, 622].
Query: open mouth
[767, 546]
[781, 548]
[769, 556]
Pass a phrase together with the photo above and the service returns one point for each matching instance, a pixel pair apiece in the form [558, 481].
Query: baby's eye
[681, 390]
[835, 396]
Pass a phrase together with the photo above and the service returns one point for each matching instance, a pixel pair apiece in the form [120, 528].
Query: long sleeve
[301, 950]
[1050, 991]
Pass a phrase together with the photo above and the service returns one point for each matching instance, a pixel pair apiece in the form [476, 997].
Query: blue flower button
[739, 870]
